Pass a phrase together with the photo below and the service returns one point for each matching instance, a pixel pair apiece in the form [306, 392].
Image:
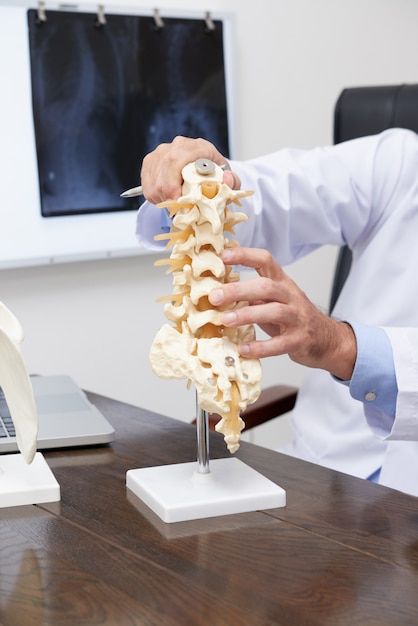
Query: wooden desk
[343, 551]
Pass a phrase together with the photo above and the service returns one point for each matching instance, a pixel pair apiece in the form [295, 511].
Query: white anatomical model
[16, 385]
[198, 347]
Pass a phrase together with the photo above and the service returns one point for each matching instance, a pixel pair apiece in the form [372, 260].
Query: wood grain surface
[342, 552]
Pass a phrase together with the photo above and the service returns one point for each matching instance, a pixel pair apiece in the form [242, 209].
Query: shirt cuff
[374, 378]
[151, 221]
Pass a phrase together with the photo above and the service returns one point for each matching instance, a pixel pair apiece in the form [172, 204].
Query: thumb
[231, 179]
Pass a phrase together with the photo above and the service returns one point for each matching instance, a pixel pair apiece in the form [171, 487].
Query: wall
[95, 320]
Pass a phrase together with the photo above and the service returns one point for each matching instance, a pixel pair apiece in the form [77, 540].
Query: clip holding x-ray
[101, 17]
[210, 25]
[158, 20]
[41, 14]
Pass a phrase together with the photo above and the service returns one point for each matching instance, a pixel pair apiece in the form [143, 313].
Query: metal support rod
[202, 426]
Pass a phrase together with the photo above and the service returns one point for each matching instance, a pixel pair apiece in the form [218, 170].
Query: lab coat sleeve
[306, 198]
[404, 343]
[333, 195]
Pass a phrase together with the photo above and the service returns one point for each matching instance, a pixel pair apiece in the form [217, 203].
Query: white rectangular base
[21, 483]
[177, 493]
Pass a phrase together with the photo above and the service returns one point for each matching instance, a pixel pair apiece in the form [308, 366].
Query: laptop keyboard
[7, 428]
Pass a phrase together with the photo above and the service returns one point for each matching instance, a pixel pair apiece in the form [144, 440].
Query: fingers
[257, 290]
[232, 180]
[325, 343]
[261, 349]
[161, 169]
[256, 258]
[262, 314]
[275, 303]
[273, 284]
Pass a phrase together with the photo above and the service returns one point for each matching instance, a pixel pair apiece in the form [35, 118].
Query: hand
[161, 169]
[296, 326]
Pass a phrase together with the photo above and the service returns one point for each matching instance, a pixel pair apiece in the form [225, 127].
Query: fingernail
[226, 254]
[229, 318]
[228, 178]
[216, 296]
[244, 349]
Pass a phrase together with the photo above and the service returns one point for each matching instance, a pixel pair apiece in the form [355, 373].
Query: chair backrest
[361, 111]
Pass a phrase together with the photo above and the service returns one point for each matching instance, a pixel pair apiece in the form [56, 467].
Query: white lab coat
[363, 193]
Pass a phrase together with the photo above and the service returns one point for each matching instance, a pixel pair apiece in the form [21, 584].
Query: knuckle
[203, 145]
[178, 141]
[276, 310]
[266, 285]
[265, 257]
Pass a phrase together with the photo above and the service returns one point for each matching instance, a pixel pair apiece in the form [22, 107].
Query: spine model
[197, 347]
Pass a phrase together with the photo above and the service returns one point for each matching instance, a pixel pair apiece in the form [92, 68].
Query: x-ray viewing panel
[81, 105]
[105, 96]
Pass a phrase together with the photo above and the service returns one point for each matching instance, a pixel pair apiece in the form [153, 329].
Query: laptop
[66, 417]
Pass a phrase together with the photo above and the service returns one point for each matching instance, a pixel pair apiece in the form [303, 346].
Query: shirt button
[370, 396]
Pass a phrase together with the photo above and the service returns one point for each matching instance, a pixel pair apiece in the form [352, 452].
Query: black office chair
[364, 111]
[359, 111]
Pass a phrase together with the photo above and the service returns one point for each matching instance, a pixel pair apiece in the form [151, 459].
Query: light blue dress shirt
[374, 380]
